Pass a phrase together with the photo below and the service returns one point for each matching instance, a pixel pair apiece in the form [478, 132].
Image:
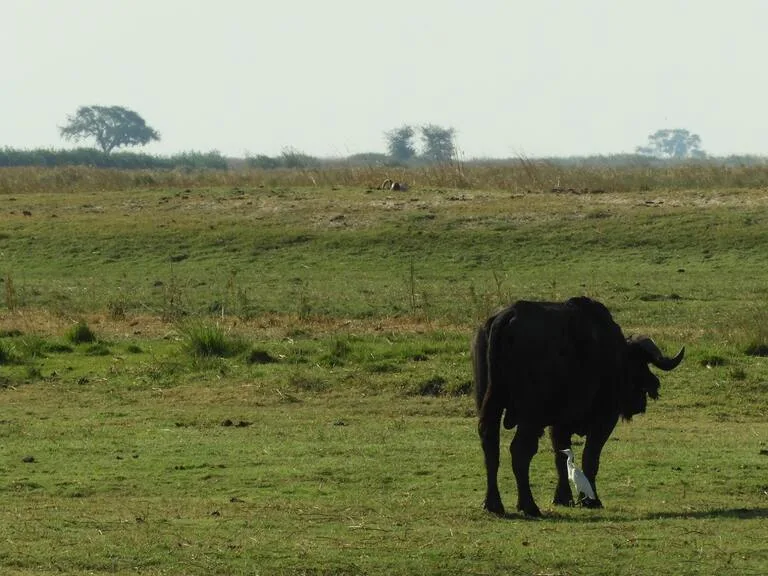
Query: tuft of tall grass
[338, 354]
[8, 352]
[98, 349]
[81, 333]
[10, 293]
[755, 339]
[33, 347]
[117, 308]
[204, 339]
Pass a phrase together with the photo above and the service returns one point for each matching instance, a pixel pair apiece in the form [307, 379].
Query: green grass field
[279, 377]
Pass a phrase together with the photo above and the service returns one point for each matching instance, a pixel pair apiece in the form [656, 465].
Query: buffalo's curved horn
[656, 356]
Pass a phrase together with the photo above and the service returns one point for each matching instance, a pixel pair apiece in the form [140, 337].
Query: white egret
[578, 477]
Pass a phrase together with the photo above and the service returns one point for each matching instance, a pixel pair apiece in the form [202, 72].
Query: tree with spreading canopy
[111, 127]
[437, 143]
[673, 143]
[400, 143]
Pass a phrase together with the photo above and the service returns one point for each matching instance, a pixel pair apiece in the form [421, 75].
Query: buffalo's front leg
[524, 445]
[489, 437]
[561, 439]
[590, 460]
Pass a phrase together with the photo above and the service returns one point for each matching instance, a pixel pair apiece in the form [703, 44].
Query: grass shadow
[740, 513]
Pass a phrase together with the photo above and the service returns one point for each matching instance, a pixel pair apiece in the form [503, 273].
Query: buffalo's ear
[654, 355]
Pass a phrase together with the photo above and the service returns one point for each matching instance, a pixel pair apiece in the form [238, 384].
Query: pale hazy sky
[329, 77]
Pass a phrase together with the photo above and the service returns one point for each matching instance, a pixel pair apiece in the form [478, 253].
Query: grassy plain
[334, 433]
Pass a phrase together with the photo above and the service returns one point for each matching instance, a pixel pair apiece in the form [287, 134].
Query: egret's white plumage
[578, 477]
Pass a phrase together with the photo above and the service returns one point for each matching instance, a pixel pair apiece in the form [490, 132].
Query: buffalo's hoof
[563, 497]
[589, 503]
[494, 507]
[530, 511]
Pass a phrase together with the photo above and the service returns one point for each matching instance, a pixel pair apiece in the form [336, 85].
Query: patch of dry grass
[514, 175]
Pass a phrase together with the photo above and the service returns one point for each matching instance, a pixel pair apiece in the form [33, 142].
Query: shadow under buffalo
[740, 513]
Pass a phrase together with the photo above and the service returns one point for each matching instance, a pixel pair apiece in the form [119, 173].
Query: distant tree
[111, 127]
[673, 143]
[400, 143]
[437, 144]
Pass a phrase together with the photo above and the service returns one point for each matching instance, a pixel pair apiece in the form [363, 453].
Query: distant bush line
[91, 157]
[291, 159]
[89, 169]
[43, 157]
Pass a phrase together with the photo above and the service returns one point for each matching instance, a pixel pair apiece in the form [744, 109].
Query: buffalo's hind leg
[524, 446]
[490, 422]
[561, 440]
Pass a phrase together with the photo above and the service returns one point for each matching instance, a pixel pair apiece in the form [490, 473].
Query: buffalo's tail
[480, 363]
[493, 398]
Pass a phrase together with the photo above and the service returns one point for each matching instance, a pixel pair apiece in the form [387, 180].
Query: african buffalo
[565, 365]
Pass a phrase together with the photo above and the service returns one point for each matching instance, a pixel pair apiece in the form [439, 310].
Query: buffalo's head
[642, 351]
